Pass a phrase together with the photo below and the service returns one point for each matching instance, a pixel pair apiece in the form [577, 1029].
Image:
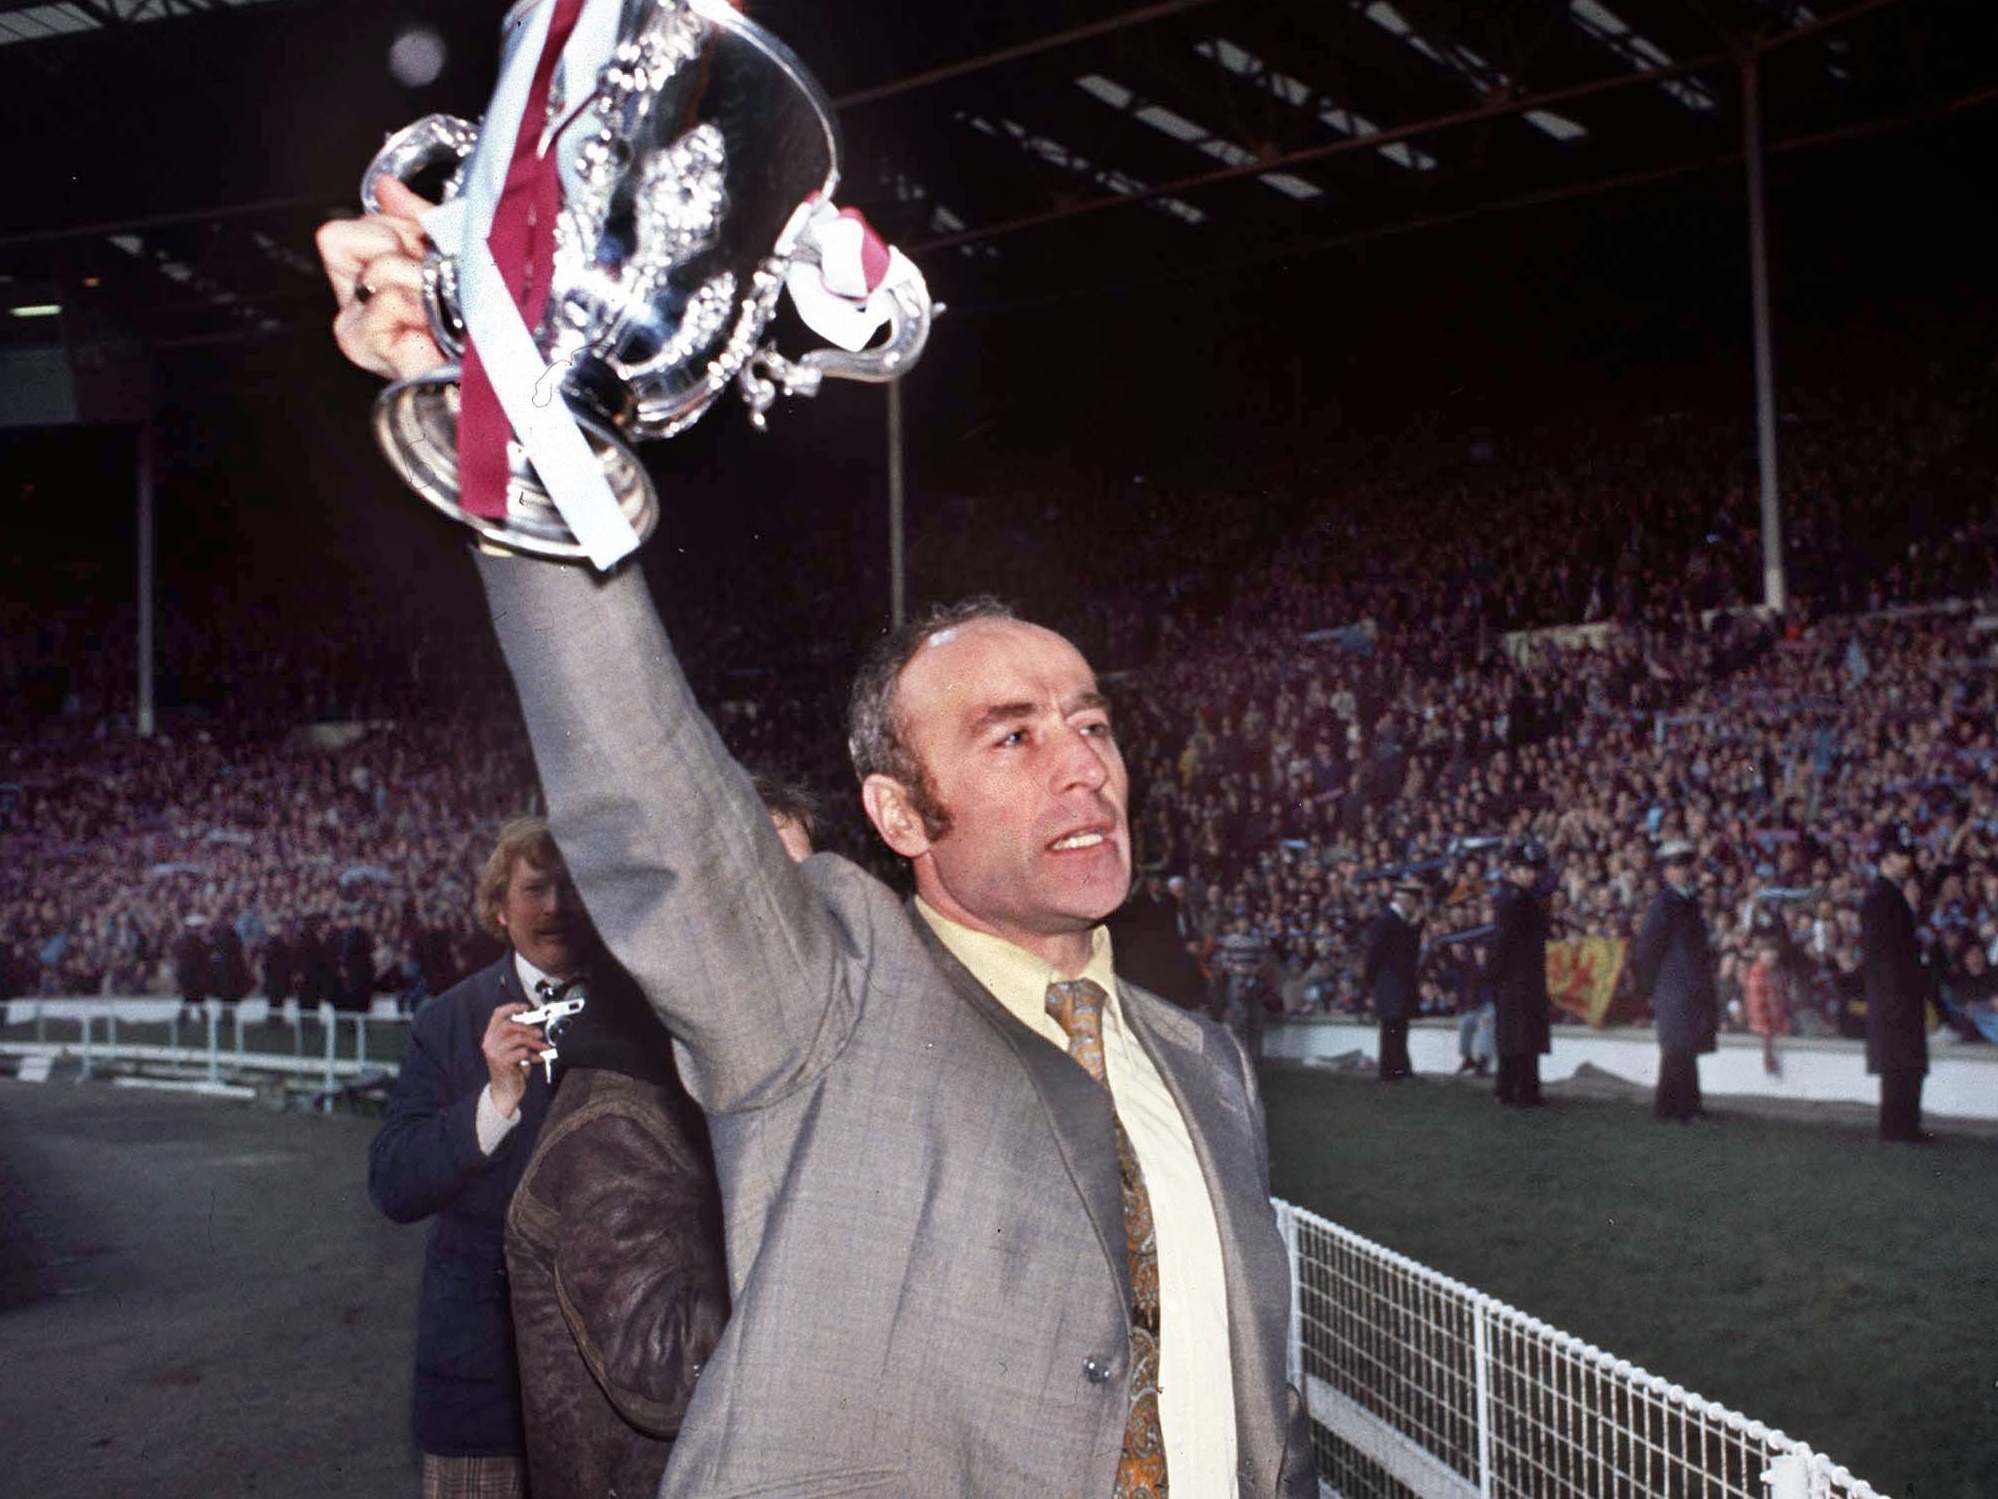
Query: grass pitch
[1799, 1271]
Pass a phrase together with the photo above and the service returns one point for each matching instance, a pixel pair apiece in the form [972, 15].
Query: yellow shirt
[1196, 1386]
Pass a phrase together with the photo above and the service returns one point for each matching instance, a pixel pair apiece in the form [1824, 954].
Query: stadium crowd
[1316, 695]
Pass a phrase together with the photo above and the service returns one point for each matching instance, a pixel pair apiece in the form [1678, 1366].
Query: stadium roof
[172, 156]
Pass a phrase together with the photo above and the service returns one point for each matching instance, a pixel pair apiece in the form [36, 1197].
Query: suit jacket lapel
[1078, 1108]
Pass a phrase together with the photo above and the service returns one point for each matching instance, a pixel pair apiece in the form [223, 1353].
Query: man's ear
[893, 815]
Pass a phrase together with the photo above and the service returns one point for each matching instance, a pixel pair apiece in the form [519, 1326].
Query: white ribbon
[848, 295]
[549, 433]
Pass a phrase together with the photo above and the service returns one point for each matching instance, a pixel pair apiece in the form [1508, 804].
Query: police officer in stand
[1897, 990]
[1672, 965]
[1517, 974]
[1387, 972]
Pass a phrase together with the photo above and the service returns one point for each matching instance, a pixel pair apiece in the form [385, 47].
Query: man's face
[1007, 723]
[1895, 866]
[544, 919]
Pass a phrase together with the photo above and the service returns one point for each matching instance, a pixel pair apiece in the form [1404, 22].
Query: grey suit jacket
[924, 1221]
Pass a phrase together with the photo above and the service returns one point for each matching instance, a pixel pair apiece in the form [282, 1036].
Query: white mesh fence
[1420, 1385]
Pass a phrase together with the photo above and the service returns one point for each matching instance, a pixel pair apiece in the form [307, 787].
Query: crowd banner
[1582, 974]
[1523, 645]
[1357, 638]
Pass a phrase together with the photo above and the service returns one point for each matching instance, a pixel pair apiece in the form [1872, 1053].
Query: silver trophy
[697, 178]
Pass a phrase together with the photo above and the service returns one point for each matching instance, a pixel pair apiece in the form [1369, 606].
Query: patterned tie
[1077, 1007]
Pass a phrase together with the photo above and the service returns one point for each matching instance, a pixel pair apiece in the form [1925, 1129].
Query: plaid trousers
[473, 1477]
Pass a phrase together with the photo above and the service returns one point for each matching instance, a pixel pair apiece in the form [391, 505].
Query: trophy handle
[415, 147]
[901, 303]
[409, 151]
[908, 331]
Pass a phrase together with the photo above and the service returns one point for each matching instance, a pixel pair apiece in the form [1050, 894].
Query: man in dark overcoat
[1672, 966]
[1517, 974]
[280, 964]
[312, 955]
[191, 960]
[228, 968]
[353, 964]
[461, 1125]
[1897, 991]
[1387, 973]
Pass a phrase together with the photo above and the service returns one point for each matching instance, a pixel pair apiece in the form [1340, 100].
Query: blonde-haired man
[461, 1125]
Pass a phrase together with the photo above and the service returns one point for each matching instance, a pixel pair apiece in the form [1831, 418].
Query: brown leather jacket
[620, 1288]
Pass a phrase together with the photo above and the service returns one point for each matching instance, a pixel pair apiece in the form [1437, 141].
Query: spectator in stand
[1150, 949]
[1477, 1027]
[1973, 993]
[1242, 962]
[460, 1128]
[1278, 750]
[1672, 966]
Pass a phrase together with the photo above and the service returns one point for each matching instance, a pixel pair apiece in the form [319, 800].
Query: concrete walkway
[197, 1301]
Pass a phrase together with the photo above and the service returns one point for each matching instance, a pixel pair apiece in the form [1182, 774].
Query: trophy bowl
[697, 176]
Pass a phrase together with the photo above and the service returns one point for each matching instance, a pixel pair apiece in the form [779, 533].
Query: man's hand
[508, 1048]
[383, 329]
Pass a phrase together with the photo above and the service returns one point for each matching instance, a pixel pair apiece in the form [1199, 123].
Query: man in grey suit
[997, 1222]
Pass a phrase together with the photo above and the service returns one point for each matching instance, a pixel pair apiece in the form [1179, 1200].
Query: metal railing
[1419, 1384]
[213, 1048]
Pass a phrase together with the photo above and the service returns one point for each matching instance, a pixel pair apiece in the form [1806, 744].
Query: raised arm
[667, 843]
[740, 953]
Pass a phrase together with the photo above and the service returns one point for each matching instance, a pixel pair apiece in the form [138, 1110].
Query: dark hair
[790, 800]
[874, 737]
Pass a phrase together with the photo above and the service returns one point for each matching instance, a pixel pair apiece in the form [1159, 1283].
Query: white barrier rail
[1419, 1384]
[206, 1048]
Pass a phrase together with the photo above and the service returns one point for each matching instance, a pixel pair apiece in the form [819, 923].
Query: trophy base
[416, 424]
